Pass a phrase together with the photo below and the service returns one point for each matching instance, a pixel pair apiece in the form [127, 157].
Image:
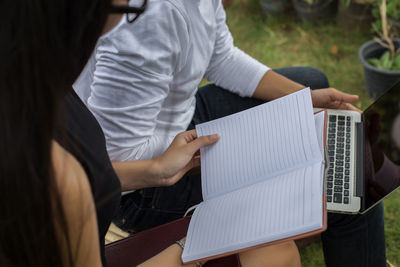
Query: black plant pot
[273, 7]
[317, 12]
[377, 81]
[355, 16]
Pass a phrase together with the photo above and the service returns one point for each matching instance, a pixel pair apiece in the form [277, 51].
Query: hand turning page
[262, 181]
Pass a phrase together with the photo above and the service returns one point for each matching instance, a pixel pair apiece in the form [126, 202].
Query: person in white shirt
[142, 86]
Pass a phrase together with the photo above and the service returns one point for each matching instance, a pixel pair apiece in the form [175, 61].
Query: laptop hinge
[360, 160]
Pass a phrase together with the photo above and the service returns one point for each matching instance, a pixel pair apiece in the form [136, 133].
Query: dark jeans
[351, 240]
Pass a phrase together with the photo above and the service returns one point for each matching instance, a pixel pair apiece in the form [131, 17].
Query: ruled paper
[259, 143]
[274, 209]
[319, 119]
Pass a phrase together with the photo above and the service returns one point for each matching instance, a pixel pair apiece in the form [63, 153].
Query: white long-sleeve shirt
[142, 79]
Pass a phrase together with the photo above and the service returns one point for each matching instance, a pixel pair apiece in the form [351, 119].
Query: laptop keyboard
[338, 176]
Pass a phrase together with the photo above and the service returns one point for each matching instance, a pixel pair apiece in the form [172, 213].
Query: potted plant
[315, 11]
[393, 16]
[381, 58]
[355, 13]
[274, 7]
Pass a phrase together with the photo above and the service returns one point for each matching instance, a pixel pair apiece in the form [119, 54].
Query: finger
[348, 106]
[202, 141]
[343, 97]
[351, 107]
[192, 133]
[188, 136]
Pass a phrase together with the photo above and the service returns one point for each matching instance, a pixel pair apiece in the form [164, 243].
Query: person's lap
[348, 240]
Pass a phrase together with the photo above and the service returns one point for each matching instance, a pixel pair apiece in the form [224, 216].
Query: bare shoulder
[72, 185]
[79, 210]
[69, 173]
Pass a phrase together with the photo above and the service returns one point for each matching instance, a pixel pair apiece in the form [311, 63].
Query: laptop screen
[382, 146]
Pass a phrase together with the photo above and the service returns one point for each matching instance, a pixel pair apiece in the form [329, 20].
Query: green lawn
[283, 41]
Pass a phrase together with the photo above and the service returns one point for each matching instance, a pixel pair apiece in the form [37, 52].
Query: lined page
[259, 143]
[319, 126]
[319, 129]
[274, 209]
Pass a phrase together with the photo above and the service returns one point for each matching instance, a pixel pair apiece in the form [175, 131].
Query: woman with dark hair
[44, 45]
[59, 188]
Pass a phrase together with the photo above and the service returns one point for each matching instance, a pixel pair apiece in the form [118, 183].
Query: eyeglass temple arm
[128, 9]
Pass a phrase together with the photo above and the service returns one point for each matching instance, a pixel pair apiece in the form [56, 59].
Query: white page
[319, 128]
[259, 143]
[274, 209]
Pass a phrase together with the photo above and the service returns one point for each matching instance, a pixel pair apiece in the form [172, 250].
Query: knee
[315, 79]
[291, 254]
[307, 76]
[284, 254]
[208, 89]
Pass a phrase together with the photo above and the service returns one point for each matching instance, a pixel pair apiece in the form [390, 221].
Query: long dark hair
[44, 44]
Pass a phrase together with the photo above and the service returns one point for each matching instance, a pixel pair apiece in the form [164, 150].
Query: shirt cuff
[239, 73]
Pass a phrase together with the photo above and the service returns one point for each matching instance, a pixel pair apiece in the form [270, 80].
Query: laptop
[363, 154]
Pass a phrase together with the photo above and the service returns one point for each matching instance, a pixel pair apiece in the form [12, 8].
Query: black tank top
[82, 136]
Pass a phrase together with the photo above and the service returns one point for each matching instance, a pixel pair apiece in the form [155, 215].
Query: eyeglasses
[132, 13]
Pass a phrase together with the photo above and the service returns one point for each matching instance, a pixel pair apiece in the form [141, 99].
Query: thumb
[199, 142]
[343, 97]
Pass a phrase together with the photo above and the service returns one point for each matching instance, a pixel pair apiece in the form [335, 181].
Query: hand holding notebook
[262, 182]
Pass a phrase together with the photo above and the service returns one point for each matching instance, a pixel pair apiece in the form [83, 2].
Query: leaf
[375, 62]
[386, 61]
[396, 63]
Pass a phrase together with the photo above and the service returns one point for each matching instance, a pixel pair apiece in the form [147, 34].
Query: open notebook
[262, 181]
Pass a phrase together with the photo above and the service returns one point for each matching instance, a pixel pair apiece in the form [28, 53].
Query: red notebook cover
[139, 247]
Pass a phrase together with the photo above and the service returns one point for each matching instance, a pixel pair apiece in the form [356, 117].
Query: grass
[283, 41]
